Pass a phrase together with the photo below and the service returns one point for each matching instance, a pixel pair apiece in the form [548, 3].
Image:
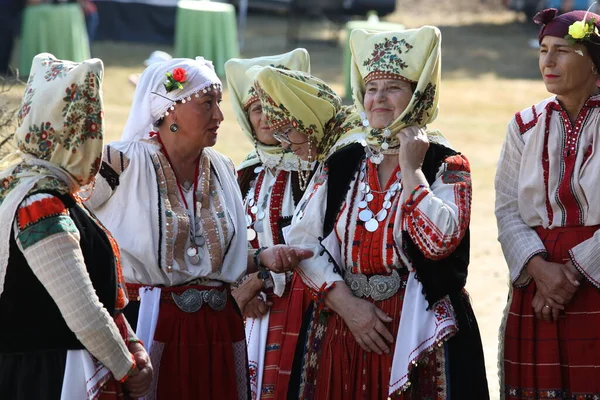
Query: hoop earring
[173, 127]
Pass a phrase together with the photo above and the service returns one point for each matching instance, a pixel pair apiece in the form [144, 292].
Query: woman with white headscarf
[62, 293]
[176, 210]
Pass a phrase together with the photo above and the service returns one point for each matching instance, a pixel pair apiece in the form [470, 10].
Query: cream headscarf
[59, 138]
[306, 103]
[414, 56]
[151, 101]
[241, 74]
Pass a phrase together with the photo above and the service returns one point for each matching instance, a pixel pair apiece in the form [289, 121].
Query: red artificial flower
[179, 75]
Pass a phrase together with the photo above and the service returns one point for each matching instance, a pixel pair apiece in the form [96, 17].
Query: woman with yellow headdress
[269, 178]
[388, 223]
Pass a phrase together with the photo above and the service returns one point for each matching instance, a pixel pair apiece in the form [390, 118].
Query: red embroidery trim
[40, 209]
[275, 204]
[524, 127]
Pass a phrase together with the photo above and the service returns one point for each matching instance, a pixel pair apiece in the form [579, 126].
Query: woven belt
[377, 287]
[189, 301]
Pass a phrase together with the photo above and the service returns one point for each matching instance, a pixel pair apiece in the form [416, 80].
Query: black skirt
[32, 376]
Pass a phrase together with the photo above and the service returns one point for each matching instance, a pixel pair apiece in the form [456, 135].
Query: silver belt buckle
[377, 287]
[192, 300]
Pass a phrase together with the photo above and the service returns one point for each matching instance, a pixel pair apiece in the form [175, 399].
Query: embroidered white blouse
[547, 176]
[137, 199]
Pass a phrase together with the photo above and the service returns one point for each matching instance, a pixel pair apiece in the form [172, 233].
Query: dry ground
[489, 73]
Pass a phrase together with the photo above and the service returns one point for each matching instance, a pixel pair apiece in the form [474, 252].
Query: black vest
[29, 319]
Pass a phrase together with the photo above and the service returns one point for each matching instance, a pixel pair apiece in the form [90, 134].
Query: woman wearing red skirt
[546, 206]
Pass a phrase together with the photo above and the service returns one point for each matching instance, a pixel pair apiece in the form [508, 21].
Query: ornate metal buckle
[192, 300]
[189, 301]
[215, 299]
[377, 287]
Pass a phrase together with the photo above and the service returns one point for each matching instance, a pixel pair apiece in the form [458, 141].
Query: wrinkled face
[199, 119]
[385, 100]
[565, 72]
[297, 142]
[258, 120]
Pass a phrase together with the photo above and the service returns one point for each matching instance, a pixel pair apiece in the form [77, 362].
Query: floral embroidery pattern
[422, 104]
[385, 58]
[58, 69]
[83, 113]
[40, 140]
[335, 129]
[26, 104]
[300, 76]
[326, 93]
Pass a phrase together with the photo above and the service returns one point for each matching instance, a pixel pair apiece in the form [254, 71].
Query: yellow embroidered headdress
[240, 74]
[413, 56]
[306, 103]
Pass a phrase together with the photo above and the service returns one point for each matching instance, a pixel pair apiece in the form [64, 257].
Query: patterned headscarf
[59, 138]
[413, 56]
[240, 75]
[307, 104]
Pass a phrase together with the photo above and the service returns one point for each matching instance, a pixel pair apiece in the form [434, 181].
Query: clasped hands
[556, 285]
[138, 384]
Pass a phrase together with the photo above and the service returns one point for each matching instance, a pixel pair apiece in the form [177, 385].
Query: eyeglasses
[283, 137]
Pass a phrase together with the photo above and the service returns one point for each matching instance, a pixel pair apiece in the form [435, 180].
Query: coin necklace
[195, 251]
[253, 227]
[365, 214]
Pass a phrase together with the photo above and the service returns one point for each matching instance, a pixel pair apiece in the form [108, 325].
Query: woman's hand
[247, 291]
[138, 384]
[282, 258]
[413, 147]
[367, 324]
[555, 282]
[256, 308]
[542, 309]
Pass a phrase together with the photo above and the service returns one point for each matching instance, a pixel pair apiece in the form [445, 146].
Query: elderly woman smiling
[387, 220]
[547, 197]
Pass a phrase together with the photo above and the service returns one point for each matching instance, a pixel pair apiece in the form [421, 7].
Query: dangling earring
[304, 175]
[173, 127]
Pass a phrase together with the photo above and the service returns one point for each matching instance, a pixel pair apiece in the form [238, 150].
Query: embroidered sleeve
[114, 163]
[586, 258]
[49, 240]
[318, 272]
[437, 218]
[520, 243]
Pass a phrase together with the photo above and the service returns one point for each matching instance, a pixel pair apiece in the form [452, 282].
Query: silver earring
[173, 127]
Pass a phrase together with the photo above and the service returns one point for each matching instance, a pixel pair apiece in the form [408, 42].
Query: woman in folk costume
[548, 217]
[62, 294]
[175, 208]
[270, 179]
[388, 223]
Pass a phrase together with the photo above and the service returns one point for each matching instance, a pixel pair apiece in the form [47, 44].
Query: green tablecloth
[206, 29]
[54, 28]
[374, 25]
